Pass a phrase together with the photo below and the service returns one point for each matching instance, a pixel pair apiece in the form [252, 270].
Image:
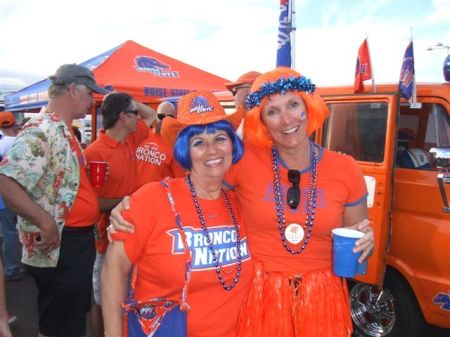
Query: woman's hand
[117, 222]
[366, 243]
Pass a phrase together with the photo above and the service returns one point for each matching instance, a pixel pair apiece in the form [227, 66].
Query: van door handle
[443, 178]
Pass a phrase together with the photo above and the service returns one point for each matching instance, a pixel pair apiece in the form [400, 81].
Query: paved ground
[21, 301]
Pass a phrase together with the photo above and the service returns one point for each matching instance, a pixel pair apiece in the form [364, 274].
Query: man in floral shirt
[44, 180]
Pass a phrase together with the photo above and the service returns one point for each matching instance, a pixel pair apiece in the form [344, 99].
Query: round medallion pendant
[294, 233]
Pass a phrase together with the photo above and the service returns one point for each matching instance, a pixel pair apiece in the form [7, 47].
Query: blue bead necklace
[217, 265]
[310, 203]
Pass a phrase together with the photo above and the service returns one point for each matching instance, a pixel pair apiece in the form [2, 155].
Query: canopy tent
[143, 73]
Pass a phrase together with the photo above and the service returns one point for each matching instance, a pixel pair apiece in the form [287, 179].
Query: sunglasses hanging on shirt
[293, 193]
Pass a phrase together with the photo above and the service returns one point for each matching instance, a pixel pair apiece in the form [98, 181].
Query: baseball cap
[197, 108]
[7, 119]
[73, 73]
[247, 78]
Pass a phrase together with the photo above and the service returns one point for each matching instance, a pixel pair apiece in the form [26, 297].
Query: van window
[418, 131]
[357, 129]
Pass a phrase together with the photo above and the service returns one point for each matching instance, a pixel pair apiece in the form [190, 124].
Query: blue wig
[181, 147]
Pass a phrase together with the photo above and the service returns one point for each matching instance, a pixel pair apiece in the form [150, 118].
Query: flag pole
[374, 90]
[292, 31]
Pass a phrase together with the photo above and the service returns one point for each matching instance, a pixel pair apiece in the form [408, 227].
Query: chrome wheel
[372, 310]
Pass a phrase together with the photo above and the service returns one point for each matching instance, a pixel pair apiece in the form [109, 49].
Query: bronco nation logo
[154, 66]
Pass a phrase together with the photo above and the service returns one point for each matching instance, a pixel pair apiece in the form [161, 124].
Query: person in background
[44, 180]
[240, 89]
[293, 193]
[221, 269]
[9, 129]
[126, 124]
[8, 218]
[154, 157]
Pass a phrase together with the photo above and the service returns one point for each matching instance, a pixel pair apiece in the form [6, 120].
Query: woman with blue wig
[188, 246]
[293, 193]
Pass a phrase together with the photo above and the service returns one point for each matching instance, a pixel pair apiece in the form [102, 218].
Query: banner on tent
[163, 92]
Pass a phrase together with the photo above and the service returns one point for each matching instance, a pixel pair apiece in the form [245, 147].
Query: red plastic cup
[98, 172]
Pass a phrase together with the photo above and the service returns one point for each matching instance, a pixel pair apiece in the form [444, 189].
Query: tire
[395, 313]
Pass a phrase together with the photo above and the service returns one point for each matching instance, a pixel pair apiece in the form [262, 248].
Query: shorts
[96, 276]
[64, 291]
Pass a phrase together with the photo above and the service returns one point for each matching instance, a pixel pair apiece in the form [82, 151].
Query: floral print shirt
[42, 162]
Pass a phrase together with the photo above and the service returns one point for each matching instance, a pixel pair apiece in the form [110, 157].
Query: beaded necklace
[218, 266]
[310, 203]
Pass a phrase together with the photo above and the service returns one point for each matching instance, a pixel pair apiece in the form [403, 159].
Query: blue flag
[284, 35]
[406, 84]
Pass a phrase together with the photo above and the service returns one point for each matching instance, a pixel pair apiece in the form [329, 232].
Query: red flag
[363, 70]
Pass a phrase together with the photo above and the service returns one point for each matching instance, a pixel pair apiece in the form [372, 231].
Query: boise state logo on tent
[199, 105]
[154, 67]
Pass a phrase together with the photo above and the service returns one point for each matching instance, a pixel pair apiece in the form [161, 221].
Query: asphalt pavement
[21, 301]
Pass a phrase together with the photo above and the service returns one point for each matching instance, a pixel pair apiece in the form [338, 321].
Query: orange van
[403, 150]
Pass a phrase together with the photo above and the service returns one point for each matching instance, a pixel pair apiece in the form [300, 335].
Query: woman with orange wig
[293, 192]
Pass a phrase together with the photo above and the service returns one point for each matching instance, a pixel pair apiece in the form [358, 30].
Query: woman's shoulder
[253, 154]
[155, 188]
[150, 191]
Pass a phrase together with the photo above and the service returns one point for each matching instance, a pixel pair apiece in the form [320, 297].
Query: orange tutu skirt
[281, 305]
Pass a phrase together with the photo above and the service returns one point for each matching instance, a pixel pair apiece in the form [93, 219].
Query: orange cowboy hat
[197, 108]
[247, 78]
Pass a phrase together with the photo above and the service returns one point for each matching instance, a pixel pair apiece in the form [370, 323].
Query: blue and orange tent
[130, 67]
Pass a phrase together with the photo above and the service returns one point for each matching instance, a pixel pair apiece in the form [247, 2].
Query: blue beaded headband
[282, 85]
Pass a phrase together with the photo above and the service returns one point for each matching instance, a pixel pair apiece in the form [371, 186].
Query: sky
[224, 37]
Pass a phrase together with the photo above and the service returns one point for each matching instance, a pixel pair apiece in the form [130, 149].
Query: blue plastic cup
[345, 262]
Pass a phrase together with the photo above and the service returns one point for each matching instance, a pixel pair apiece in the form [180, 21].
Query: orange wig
[277, 81]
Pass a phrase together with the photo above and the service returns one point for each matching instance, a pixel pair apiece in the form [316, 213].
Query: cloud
[226, 37]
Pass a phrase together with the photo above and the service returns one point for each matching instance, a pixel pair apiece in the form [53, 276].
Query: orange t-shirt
[156, 249]
[340, 184]
[85, 210]
[122, 175]
[155, 160]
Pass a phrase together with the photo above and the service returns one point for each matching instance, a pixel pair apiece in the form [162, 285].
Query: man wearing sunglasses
[241, 87]
[154, 157]
[126, 124]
